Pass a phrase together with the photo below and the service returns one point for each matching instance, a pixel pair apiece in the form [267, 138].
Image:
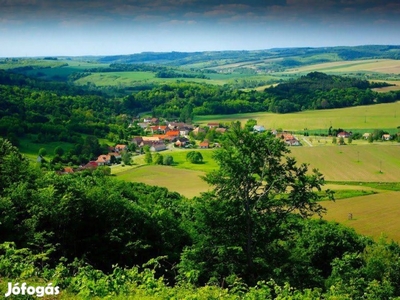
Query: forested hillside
[48, 111]
[250, 237]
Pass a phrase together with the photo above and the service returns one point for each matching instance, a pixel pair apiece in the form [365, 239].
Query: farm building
[258, 128]
[344, 134]
[158, 147]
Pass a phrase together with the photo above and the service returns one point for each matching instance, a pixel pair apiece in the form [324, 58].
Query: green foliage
[194, 157]
[148, 158]
[168, 160]
[250, 124]
[42, 152]
[126, 157]
[58, 151]
[158, 159]
[257, 188]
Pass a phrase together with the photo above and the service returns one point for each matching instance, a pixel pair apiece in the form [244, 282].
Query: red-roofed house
[120, 148]
[173, 133]
[204, 145]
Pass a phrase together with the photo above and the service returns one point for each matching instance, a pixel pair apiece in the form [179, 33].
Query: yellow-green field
[373, 215]
[387, 66]
[361, 117]
[183, 181]
[340, 163]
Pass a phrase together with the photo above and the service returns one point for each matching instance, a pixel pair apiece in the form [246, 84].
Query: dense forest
[251, 236]
[56, 111]
[313, 91]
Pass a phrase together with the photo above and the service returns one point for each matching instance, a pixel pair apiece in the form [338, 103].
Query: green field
[183, 181]
[373, 215]
[31, 150]
[385, 66]
[340, 163]
[360, 117]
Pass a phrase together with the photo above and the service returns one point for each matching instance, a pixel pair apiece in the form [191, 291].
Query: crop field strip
[377, 116]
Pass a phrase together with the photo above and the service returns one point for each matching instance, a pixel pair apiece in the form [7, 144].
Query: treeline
[313, 91]
[88, 232]
[321, 91]
[63, 112]
[173, 74]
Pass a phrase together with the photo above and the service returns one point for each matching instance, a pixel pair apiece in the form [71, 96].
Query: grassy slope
[186, 182]
[360, 117]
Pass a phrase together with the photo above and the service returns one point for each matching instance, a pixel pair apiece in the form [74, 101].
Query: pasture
[377, 116]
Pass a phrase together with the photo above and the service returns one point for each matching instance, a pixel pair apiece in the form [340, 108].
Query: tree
[341, 141]
[250, 124]
[148, 159]
[258, 190]
[42, 152]
[334, 140]
[158, 159]
[126, 157]
[58, 151]
[194, 157]
[168, 160]
[349, 140]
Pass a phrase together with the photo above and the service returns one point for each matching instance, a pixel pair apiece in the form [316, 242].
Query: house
[173, 133]
[220, 130]
[150, 139]
[147, 120]
[343, 134]
[143, 125]
[184, 131]
[386, 137]
[181, 142]
[198, 130]
[67, 170]
[158, 147]
[289, 139]
[154, 120]
[258, 128]
[366, 135]
[137, 140]
[115, 154]
[103, 160]
[204, 144]
[157, 129]
[120, 148]
[292, 142]
[213, 125]
[90, 165]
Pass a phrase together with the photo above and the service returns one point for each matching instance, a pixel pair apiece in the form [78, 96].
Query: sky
[31, 28]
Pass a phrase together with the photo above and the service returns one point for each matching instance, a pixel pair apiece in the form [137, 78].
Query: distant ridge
[184, 58]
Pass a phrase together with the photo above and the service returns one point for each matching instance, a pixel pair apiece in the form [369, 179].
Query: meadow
[377, 116]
